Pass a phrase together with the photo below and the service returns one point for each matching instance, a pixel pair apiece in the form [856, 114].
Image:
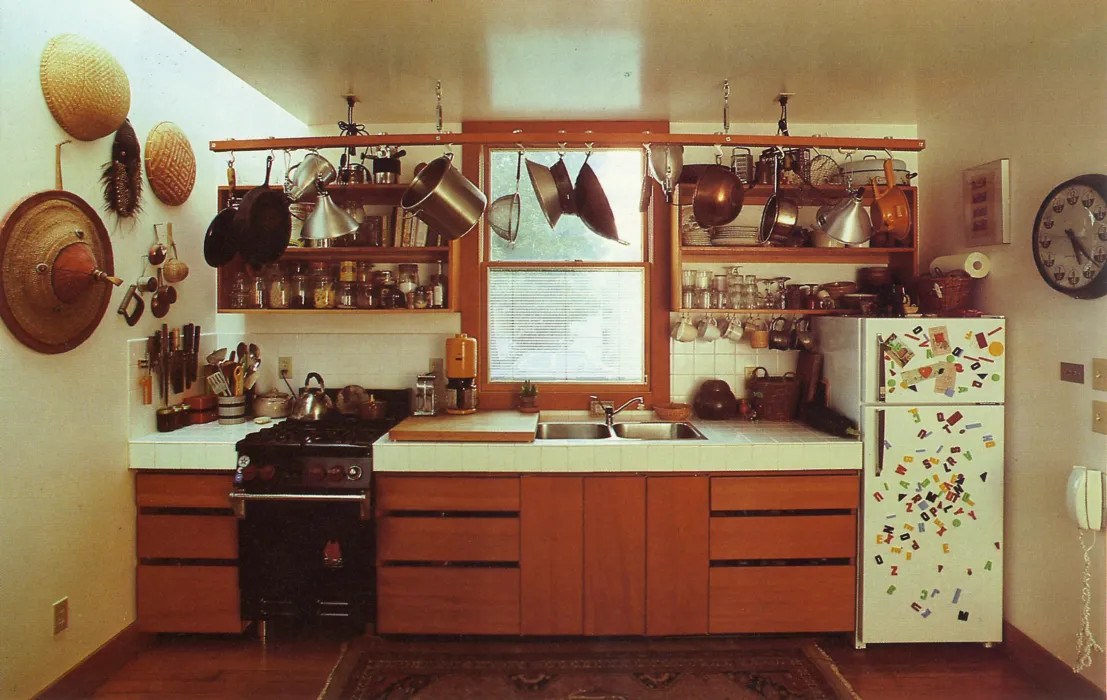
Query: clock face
[1070, 237]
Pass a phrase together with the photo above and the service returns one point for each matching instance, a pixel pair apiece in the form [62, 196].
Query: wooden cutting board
[808, 372]
[482, 426]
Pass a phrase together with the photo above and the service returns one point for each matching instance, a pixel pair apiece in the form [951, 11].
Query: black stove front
[305, 531]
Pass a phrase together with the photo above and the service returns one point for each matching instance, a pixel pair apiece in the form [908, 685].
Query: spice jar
[238, 291]
[366, 299]
[322, 286]
[255, 292]
[300, 297]
[407, 280]
[421, 298]
[280, 291]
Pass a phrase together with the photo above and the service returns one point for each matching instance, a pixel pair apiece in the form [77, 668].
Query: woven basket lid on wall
[85, 88]
[170, 163]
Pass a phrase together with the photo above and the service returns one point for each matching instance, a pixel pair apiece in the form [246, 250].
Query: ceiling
[848, 61]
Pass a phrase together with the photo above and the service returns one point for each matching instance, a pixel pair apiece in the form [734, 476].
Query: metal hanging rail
[552, 139]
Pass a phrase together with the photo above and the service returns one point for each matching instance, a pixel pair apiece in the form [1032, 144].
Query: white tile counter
[208, 447]
[730, 446]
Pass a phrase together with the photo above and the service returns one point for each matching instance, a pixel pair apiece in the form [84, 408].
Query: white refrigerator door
[932, 531]
[934, 360]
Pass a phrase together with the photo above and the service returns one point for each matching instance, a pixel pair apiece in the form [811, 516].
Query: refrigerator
[928, 394]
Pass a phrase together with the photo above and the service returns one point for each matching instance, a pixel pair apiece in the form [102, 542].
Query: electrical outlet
[1072, 372]
[1099, 373]
[284, 366]
[750, 371]
[61, 615]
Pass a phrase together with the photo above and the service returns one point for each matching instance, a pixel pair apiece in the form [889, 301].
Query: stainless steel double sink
[625, 431]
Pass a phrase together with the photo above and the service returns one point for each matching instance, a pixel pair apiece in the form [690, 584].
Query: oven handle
[239, 498]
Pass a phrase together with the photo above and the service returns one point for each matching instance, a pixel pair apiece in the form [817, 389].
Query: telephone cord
[1085, 641]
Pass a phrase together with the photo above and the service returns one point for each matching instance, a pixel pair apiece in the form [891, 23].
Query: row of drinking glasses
[701, 289]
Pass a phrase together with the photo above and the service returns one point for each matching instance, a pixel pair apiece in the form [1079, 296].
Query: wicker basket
[673, 411]
[939, 295]
[774, 398]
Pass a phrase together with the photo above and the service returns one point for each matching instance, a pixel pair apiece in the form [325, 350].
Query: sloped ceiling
[848, 61]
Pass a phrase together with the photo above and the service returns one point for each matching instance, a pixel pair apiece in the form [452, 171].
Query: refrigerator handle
[879, 442]
[881, 389]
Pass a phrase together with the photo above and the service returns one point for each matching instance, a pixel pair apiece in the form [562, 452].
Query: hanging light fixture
[327, 223]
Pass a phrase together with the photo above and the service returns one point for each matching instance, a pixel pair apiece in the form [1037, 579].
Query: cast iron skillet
[263, 222]
[219, 242]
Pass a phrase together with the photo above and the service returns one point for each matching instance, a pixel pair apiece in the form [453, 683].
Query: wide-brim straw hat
[32, 235]
[85, 88]
[170, 163]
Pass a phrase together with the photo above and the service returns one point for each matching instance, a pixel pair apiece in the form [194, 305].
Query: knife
[155, 361]
[187, 356]
[178, 363]
[164, 362]
[195, 352]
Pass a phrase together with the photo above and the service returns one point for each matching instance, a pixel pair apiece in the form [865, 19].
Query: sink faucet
[609, 412]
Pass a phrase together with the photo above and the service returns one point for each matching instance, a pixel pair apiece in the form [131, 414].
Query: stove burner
[343, 430]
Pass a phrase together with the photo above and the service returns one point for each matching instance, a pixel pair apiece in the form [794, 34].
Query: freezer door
[932, 525]
[934, 360]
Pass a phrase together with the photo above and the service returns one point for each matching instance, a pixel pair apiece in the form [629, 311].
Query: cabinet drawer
[424, 600]
[447, 493]
[187, 537]
[784, 492]
[188, 599]
[183, 490]
[769, 599]
[784, 537]
[447, 539]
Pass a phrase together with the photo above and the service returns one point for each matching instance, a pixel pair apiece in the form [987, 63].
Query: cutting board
[808, 372]
[483, 426]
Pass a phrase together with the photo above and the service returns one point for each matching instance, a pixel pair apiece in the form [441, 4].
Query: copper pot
[890, 210]
[373, 409]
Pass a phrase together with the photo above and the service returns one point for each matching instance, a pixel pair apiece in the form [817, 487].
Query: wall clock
[1070, 237]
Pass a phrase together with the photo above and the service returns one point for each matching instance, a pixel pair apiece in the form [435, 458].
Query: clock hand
[1077, 246]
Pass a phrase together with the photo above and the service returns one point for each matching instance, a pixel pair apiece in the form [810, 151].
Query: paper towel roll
[975, 264]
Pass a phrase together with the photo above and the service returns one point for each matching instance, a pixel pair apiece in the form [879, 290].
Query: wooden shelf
[336, 311]
[368, 253]
[538, 139]
[773, 312]
[774, 254]
[803, 196]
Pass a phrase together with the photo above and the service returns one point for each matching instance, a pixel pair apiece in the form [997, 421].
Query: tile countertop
[207, 447]
[730, 446]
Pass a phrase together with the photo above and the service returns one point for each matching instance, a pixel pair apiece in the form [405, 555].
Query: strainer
[503, 213]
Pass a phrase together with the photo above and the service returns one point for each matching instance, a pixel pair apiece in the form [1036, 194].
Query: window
[566, 305]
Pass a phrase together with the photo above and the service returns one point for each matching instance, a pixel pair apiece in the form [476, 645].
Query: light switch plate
[1099, 373]
[1099, 417]
[1072, 372]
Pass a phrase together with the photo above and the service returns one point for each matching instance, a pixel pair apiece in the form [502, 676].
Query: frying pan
[263, 222]
[592, 205]
[564, 187]
[220, 245]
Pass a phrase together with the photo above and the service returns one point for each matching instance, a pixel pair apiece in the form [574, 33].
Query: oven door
[305, 557]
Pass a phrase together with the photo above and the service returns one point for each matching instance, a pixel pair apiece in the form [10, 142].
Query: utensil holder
[231, 409]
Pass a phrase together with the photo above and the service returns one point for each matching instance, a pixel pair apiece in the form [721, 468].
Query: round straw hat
[32, 236]
[170, 163]
[85, 88]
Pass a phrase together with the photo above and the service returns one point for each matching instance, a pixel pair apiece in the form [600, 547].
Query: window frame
[475, 262]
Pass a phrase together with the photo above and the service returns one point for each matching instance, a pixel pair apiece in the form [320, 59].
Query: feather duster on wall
[122, 177]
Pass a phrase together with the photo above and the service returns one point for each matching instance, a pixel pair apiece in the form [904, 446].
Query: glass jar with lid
[322, 286]
[407, 280]
[300, 284]
[366, 299]
[238, 295]
[421, 298]
[280, 291]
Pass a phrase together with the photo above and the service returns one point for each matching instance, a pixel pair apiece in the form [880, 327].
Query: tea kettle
[313, 402]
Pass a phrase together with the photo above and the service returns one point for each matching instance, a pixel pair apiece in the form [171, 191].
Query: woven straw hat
[32, 236]
[170, 163]
[85, 88]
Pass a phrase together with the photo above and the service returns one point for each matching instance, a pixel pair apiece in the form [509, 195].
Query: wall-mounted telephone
[1085, 498]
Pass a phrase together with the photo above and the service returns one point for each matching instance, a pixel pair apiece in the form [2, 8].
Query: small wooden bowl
[673, 411]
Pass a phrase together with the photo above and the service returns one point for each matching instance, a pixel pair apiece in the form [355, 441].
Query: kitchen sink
[657, 431]
[572, 431]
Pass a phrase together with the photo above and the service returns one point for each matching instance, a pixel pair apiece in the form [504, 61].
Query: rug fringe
[330, 676]
[838, 674]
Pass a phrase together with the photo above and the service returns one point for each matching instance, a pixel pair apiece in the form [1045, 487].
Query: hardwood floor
[234, 668]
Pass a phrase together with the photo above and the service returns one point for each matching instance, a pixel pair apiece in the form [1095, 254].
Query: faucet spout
[609, 412]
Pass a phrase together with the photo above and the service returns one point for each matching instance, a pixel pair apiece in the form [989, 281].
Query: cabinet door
[188, 599]
[551, 564]
[447, 600]
[676, 555]
[614, 555]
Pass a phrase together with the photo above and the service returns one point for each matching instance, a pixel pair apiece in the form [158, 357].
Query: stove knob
[316, 473]
[267, 472]
[248, 473]
[336, 473]
[353, 473]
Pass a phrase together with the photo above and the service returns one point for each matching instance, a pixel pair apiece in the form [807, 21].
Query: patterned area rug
[695, 669]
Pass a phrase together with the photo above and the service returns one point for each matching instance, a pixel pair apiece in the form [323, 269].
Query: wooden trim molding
[94, 670]
[1045, 669]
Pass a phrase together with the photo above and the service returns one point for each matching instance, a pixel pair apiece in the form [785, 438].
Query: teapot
[313, 402]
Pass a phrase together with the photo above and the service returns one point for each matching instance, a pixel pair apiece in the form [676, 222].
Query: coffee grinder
[461, 374]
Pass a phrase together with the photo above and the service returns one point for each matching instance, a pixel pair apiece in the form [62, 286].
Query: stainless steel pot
[313, 402]
[444, 199]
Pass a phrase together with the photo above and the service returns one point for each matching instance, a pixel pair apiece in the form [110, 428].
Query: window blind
[567, 325]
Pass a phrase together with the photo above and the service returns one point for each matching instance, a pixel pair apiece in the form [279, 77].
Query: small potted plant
[528, 397]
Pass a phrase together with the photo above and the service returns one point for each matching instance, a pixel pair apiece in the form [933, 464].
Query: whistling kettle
[313, 402]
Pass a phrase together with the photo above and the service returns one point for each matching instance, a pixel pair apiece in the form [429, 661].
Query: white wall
[1047, 114]
[66, 502]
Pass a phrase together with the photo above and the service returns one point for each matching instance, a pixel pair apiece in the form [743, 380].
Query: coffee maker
[461, 374]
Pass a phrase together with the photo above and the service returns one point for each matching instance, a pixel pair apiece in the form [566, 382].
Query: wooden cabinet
[382, 198]
[187, 547]
[614, 555]
[551, 563]
[677, 518]
[902, 259]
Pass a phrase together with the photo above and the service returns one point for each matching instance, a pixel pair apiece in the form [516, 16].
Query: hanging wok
[263, 222]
